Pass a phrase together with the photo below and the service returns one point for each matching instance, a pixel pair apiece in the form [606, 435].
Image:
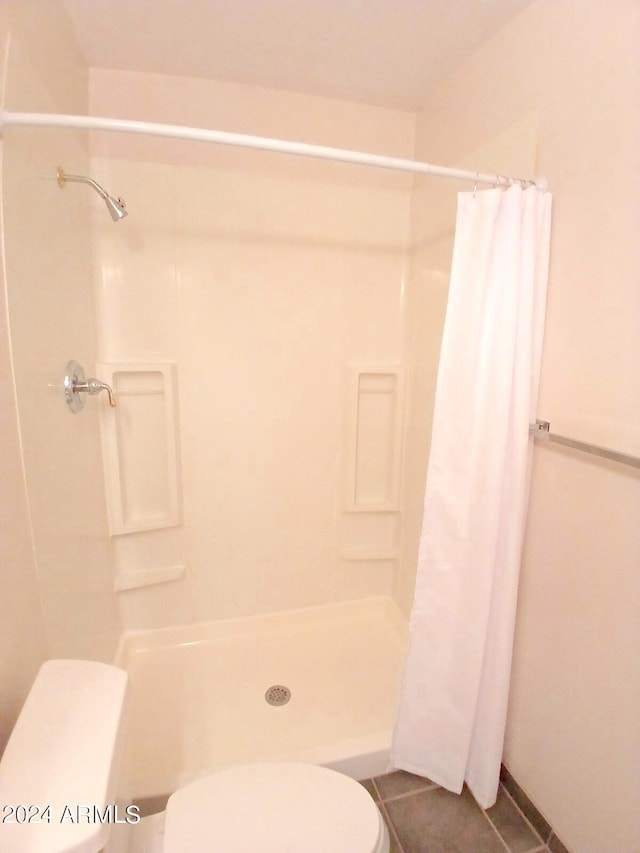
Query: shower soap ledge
[147, 577]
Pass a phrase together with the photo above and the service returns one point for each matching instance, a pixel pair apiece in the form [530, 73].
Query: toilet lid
[273, 808]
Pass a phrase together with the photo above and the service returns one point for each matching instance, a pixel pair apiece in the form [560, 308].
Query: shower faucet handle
[76, 385]
[95, 386]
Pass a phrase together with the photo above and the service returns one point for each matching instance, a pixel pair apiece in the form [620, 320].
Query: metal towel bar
[541, 429]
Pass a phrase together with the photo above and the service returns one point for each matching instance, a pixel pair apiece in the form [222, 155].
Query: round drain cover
[278, 694]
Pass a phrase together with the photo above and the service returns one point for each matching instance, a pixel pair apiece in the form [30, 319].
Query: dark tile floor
[424, 818]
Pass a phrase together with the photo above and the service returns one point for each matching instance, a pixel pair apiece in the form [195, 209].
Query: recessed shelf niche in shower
[375, 405]
[140, 448]
[374, 399]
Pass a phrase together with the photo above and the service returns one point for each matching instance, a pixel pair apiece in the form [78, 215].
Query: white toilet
[62, 776]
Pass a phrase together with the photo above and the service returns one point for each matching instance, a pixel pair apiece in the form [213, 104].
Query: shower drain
[278, 694]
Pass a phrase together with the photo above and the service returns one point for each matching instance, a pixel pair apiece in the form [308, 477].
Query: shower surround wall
[275, 284]
[48, 277]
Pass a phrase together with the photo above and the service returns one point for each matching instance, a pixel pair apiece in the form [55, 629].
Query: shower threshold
[198, 692]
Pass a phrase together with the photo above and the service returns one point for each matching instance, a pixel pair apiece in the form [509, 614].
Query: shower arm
[62, 178]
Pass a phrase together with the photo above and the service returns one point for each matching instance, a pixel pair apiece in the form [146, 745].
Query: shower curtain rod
[241, 140]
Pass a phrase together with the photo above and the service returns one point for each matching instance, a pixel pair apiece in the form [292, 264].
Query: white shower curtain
[453, 698]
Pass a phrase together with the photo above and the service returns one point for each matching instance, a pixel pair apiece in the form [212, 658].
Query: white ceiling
[390, 53]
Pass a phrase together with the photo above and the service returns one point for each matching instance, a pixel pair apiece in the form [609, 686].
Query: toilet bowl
[274, 807]
[64, 762]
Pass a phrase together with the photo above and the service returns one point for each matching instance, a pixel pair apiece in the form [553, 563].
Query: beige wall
[22, 636]
[573, 68]
[48, 273]
[264, 278]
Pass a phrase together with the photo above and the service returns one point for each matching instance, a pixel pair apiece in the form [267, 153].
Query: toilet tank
[59, 774]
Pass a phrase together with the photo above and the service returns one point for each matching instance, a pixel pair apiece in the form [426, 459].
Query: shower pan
[204, 692]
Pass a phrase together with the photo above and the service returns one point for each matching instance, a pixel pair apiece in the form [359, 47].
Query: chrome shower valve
[76, 385]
